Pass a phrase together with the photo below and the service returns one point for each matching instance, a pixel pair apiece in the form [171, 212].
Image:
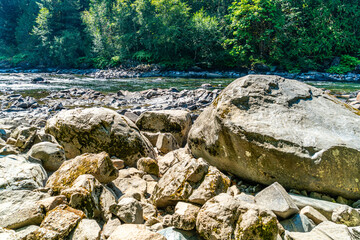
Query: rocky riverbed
[148, 71]
[265, 158]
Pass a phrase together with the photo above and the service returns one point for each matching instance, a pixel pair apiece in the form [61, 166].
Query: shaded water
[21, 83]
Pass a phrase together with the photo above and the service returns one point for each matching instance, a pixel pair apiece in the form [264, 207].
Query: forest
[291, 35]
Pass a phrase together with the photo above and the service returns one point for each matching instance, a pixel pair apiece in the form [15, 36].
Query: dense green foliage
[292, 35]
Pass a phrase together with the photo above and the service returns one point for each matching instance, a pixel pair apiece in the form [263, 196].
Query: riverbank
[142, 71]
[166, 163]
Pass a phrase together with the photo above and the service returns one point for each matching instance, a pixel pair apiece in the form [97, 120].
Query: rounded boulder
[93, 130]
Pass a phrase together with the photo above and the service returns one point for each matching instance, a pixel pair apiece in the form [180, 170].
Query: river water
[21, 83]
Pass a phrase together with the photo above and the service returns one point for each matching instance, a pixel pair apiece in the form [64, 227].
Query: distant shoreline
[140, 73]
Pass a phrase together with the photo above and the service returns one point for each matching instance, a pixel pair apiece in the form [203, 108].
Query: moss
[216, 101]
[260, 230]
[86, 165]
[224, 112]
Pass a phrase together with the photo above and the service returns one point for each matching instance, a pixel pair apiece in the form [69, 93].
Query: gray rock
[275, 198]
[324, 207]
[131, 172]
[51, 155]
[118, 163]
[129, 187]
[87, 229]
[129, 210]
[298, 223]
[31, 214]
[176, 122]
[58, 223]
[245, 198]
[109, 227]
[170, 159]
[190, 180]
[185, 216]
[17, 173]
[325, 230]
[267, 128]
[93, 130]
[224, 217]
[214, 183]
[52, 202]
[313, 214]
[23, 137]
[132, 116]
[152, 137]
[7, 234]
[148, 165]
[172, 233]
[9, 150]
[24, 232]
[14, 205]
[89, 195]
[149, 211]
[166, 143]
[355, 231]
[134, 232]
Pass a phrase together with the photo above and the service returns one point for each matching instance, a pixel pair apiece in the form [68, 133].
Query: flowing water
[21, 83]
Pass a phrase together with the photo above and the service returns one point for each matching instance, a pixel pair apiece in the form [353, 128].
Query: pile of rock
[152, 99]
[95, 174]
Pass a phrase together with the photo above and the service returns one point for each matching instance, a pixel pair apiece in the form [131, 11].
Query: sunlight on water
[21, 83]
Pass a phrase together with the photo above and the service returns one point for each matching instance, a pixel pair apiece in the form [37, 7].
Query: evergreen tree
[59, 30]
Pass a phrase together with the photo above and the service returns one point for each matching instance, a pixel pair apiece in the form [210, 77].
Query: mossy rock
[98, 165]
[93, 130]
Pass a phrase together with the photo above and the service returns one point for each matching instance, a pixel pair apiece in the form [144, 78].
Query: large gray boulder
[93, 130]
[267, 129]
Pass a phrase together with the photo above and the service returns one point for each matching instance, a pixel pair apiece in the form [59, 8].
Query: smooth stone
[275, 198]
[51, 155]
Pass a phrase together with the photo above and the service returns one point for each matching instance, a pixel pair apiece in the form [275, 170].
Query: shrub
[347, 64]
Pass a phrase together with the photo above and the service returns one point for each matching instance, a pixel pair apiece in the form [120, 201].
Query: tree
[59, 30]
[254, 25]
[163, 28]
[206, 37]
[112, 28]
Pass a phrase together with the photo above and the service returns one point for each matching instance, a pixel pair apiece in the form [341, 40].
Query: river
[21, 83]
